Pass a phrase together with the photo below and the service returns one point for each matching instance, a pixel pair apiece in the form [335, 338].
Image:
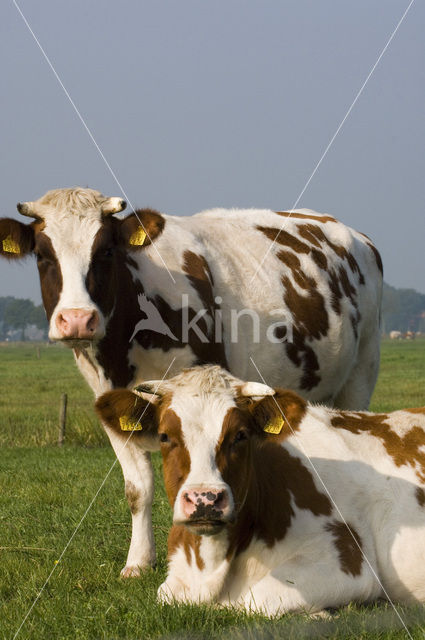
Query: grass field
[45, 491]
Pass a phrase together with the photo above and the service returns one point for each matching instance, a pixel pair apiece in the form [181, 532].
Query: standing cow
[146, 295]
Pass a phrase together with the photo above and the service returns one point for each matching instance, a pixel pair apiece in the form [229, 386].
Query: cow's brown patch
[404, 450]
[309, 231]
[418, 410]
[200, 277]
[346, 285]
[306, 216]
[420, 496]
[133, 496]
[349, 547]
[336, 292]
[107, 261]
[377, 257]
[308, 310]
[300, 277]
[340, 286]
[320, 259]
[303, 356]
[49, 271]
[112, 350]
[284, 238]
[179, 536]
[292, 261]
[175, 455]
[276, 478]
[310, 322]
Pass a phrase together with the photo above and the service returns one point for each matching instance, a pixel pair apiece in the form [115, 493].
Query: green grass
[30, 393]
[45, 491]
[401, 381]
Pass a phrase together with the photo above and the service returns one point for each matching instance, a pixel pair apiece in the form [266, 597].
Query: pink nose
[205, 504]
[77, 323]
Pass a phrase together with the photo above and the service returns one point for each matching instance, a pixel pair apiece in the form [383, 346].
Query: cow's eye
[109, 252]
[240, 436]
[163, 438]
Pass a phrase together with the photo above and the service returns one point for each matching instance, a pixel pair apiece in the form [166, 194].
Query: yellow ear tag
[10, 246]
[127, 424]
[138, 237]
[275, 425]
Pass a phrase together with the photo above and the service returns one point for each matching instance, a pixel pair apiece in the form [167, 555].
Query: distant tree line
[402, 310]
[17, 314]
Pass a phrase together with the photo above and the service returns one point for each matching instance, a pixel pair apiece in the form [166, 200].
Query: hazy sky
[199, 103]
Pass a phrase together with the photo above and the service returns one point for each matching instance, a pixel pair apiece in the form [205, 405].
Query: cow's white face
[75, 315]
[204, 501]
[69, 222]
[81, 252]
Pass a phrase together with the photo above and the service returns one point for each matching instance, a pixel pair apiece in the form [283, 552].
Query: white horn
[113, 205]
[256, 389]
[152, 388]
[27, 209]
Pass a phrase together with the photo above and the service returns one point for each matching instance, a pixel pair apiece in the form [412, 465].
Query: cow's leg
[357, 390]
[138, 475]
[139, 487]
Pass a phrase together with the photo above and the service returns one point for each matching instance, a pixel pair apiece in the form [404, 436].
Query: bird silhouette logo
[153, 320]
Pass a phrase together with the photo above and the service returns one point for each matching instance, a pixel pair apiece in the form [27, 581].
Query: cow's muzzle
[78, 324]
[206, 510]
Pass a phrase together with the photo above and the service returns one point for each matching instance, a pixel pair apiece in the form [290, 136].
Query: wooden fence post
[62, 419]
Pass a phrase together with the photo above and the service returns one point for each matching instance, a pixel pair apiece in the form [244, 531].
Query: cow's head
[79, 247]
[209, 425]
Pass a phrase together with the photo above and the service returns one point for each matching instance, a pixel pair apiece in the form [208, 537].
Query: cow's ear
[16, 239]
[141, 228]
[124, 411]
[279, 414]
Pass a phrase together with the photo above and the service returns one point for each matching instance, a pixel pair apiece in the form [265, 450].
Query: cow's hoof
[163, 594]
[130, 572]
[173, 591]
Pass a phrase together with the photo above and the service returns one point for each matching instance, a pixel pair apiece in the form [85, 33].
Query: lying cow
[144, 296]
[280, 505]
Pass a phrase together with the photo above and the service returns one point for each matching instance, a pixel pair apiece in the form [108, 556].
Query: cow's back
[314, 294]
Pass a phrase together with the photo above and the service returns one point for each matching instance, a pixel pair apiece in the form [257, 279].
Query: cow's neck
[207, 557]
[105, 365]
[278, 481]
[112, 351]
[91, 370]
